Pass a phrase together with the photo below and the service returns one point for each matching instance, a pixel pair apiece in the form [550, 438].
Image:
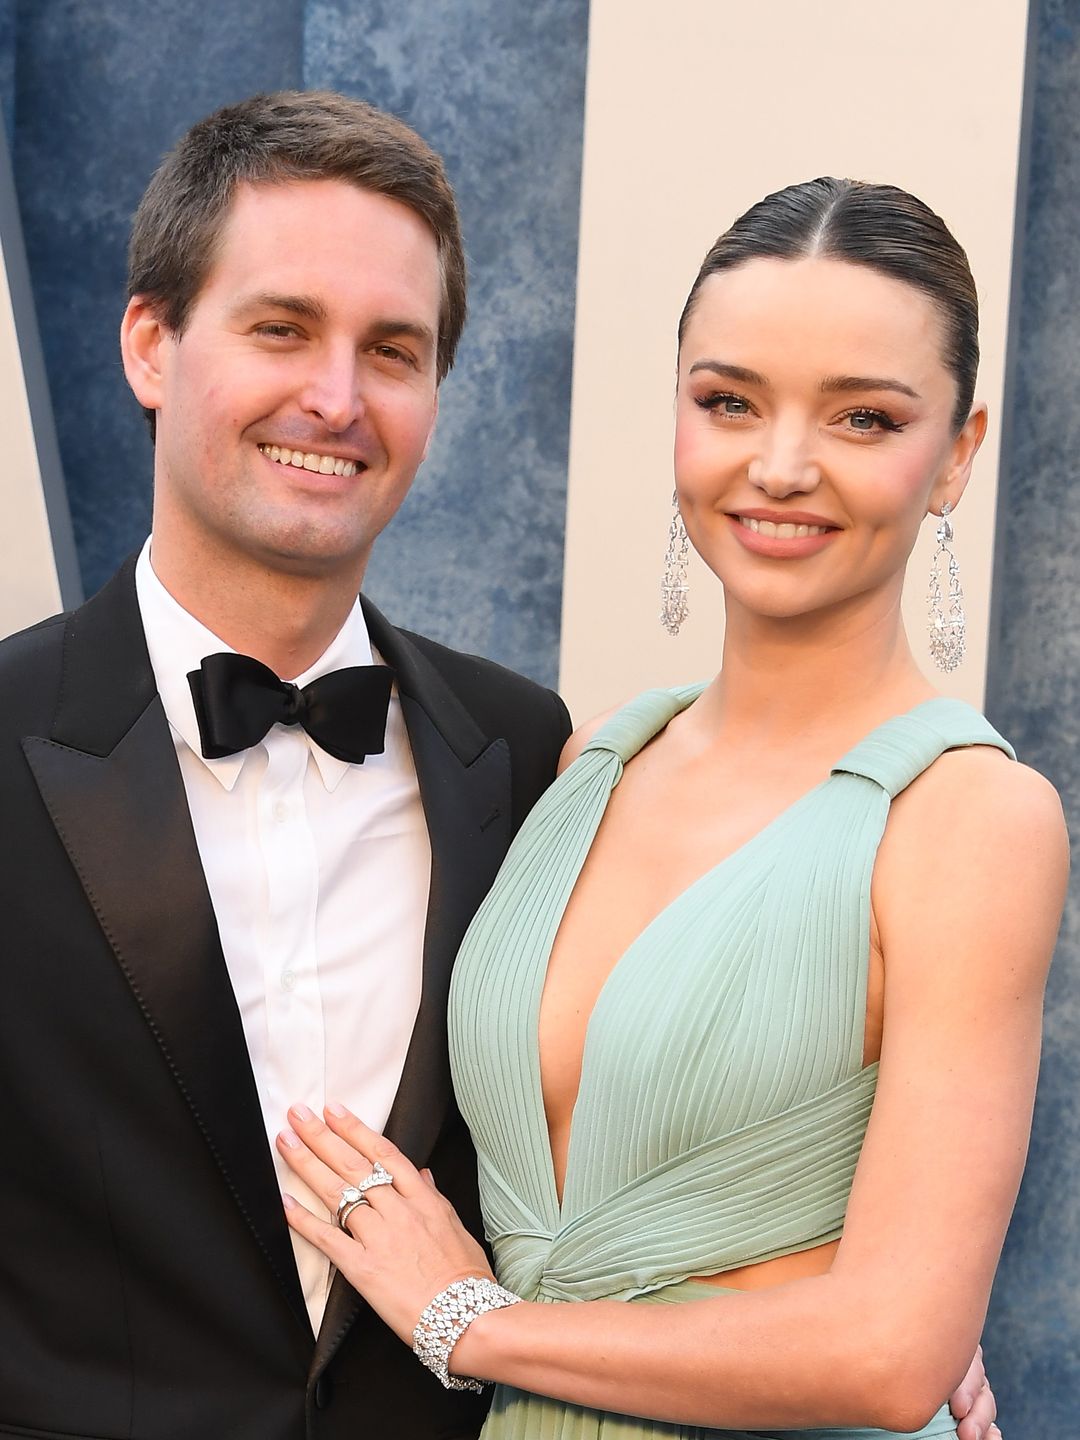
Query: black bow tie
[237, 699]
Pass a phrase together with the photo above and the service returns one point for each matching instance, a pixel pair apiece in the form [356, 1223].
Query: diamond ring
[351, 1199]
[354, 1195]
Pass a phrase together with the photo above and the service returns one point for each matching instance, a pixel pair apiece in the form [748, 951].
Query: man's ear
[957, 472]
[142, 335]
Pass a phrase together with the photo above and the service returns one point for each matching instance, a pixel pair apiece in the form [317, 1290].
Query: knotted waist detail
[768, 1189]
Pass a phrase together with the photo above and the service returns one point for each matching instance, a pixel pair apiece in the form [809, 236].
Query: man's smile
[311, 460]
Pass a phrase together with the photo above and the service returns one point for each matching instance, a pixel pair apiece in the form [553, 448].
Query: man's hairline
[155, 303]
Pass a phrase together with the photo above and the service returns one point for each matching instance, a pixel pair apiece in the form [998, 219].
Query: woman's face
[814, 431]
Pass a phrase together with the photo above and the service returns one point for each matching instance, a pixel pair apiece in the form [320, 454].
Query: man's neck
[284, 620]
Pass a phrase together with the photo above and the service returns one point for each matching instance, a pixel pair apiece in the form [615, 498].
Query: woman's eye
[719, 402]
[866, 422]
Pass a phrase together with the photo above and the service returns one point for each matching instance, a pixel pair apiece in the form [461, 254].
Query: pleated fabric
[723, 1100]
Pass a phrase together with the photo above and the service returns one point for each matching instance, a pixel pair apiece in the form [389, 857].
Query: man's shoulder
[31, 666]
[471, 674]
[500, 700]
[528, 716]
[29, 651]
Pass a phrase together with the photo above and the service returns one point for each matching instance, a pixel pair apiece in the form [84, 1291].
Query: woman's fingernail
[288, 1138]
[335, 1108]
[302, 1113]
[288, 1201]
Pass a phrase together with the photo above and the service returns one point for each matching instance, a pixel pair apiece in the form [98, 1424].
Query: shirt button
[288, 979]
[281, 812]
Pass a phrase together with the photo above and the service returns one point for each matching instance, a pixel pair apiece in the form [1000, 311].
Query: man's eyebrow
[305, 306]
[410, 329]
[843, 384]
[309, 308]
[738, 373]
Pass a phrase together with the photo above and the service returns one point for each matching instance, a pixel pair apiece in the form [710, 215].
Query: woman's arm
[967, 896]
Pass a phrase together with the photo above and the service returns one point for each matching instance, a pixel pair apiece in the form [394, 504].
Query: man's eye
[276, 330]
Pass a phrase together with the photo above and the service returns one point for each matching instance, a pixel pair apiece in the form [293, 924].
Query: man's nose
[786, 463]
[332, 392]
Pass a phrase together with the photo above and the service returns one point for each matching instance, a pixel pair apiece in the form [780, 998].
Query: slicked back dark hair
[268, 139]
[879, 226]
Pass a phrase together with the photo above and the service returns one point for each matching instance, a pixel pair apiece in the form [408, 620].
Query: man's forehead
[304, 198]
[309, 239]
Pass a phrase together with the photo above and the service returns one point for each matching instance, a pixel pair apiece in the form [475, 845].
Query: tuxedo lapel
[110, 780]
[465, 789]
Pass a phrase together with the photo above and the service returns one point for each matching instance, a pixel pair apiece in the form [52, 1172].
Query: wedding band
[346, 1208]
[353, 1195]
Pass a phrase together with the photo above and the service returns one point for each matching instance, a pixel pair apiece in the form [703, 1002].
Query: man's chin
[311, 556]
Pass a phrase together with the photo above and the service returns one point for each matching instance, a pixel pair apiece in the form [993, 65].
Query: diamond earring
[947, 623]
[674, 588]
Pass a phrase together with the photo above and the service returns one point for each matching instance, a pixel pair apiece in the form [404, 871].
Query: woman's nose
[785, 465]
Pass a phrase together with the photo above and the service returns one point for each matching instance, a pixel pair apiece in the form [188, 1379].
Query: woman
[733, 993]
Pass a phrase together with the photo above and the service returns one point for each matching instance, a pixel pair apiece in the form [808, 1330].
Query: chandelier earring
[674, 589]
[948, 629]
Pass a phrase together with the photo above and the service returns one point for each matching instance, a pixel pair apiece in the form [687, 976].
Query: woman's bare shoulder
[982, 841]
[582, 735]
[979, 792]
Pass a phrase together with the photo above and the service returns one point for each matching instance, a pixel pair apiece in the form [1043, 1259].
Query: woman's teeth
[785, 531]
[308, 460]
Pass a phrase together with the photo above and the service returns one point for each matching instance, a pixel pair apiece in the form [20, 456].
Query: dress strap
[635, 723]
[898, 751]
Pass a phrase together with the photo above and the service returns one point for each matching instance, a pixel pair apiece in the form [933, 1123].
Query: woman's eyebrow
[841, 384]
[729, 372]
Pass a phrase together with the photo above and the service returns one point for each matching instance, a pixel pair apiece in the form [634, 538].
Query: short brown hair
[879, 226]
[289, 135]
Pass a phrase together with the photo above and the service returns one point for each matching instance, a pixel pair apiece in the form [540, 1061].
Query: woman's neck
[828, 676]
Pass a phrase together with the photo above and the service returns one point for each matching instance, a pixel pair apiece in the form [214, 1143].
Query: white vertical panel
[38, 568]
[694, 110]
[29, 584]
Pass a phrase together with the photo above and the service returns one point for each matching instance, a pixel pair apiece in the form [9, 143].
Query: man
[194, 942]
[224, 894]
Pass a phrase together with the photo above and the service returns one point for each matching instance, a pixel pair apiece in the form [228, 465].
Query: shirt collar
[178, 643]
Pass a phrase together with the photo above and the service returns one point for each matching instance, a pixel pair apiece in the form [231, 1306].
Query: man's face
[297, 405]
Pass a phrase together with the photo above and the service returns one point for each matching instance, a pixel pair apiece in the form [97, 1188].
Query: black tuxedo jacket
[147, 1284]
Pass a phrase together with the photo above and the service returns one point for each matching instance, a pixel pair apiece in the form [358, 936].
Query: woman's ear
[142, 334]
[957, 472]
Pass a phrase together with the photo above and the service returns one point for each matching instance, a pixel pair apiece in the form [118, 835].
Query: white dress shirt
[319, 872]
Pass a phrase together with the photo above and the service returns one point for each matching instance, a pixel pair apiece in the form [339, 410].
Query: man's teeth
[308, 460]
[786, 531]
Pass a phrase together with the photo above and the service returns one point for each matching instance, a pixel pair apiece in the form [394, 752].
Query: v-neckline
[690, 695]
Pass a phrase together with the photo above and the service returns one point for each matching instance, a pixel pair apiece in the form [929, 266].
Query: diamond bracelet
[446, 1319]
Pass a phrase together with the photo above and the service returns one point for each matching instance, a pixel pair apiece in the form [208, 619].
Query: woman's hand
[973, 1404]
[403, 1245]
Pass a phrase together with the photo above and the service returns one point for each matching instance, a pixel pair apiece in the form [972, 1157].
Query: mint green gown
[723, 1099]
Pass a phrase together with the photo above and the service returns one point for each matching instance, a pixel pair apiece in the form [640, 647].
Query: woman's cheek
[907, 487]
[700, 457]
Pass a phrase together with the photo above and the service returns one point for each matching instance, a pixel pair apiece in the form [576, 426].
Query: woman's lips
[781, 540]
